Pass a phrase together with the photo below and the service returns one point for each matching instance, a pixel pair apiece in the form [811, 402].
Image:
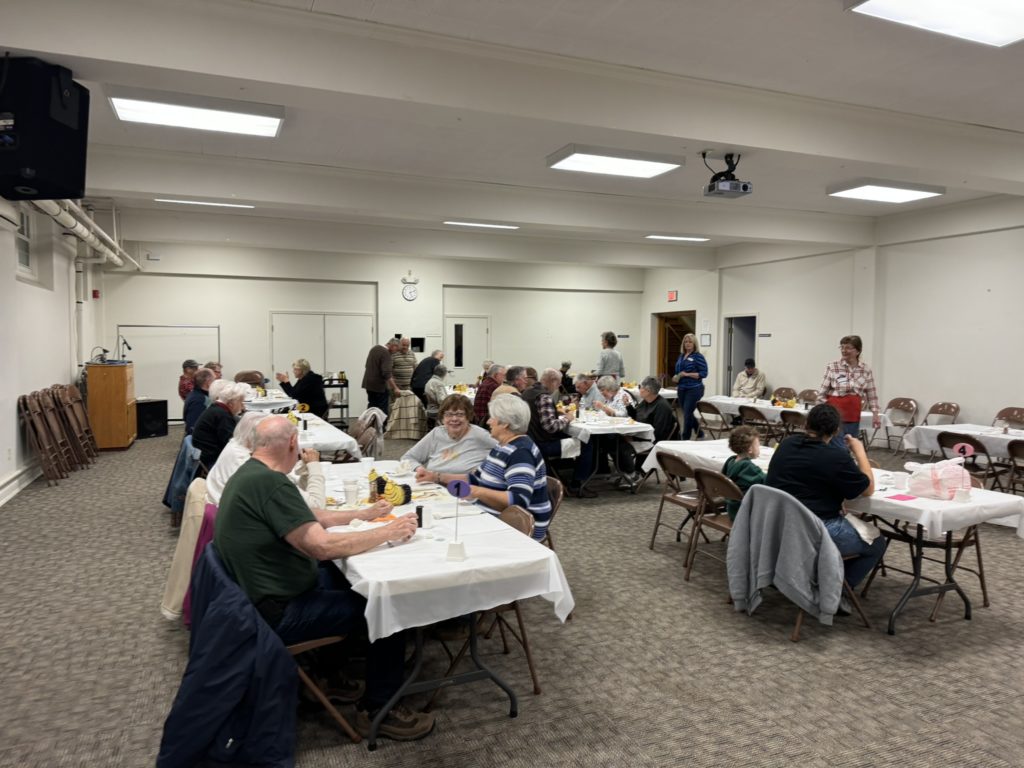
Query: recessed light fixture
[612, 162]
[201, 202]
[884, 191]
[678, 237]
[199, 118]
[480, 224]
[992, 22]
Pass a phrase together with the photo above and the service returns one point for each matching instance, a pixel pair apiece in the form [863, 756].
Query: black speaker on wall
[44, 130]
[151, 418]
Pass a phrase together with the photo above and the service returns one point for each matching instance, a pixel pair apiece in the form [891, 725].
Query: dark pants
[851, 428]
[688, 399]
[332, 608]
[378, 400]
[422, 395]
[582, 467]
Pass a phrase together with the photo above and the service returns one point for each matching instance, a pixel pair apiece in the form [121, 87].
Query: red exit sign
[673, 295]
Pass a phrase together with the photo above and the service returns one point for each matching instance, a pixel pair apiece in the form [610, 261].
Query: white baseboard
[12, 484]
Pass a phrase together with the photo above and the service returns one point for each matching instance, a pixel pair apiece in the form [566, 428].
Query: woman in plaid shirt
[846, 382]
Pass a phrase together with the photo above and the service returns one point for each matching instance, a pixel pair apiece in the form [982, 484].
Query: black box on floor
[151, 418]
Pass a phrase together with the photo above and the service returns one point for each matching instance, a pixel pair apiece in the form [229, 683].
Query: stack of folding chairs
[57, 426]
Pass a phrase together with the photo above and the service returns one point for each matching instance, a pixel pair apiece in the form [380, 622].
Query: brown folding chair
[73, 420]
[793, 422]
[35, 429]
[784, 393]
[252, 378]
[522, 521]
[902, 413]
[313, 688]
[712, 420]
[979, 464]
[677, 472]
[942, 413]
[1012, 417]
[854, 601]
[1015, 480]
[641, 458]
[56, 428]
[49, 444]
[367, 442]
[714, 490]
[78, 457]
[768, 430]
[556, 492]
[809, 396]
[82, 415]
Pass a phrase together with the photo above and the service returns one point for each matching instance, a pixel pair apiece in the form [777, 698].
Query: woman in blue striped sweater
[513, 472]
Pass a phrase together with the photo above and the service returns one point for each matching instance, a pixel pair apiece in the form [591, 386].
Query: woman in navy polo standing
[691, 370]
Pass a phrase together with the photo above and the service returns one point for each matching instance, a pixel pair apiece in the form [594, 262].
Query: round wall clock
[410, 292]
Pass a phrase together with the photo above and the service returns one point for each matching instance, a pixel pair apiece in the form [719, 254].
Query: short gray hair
[203, 377]
[437, 352]
[440, 371]
[512, 411]
[581, 377]
[651, 384]
[515, 372]
[232, 390]
[245, 429]
[303, 365]
[217, 388]
[608, 384]
[495, 369]
[550, 376]
[273, 432]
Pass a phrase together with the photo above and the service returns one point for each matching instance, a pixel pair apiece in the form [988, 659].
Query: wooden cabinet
[111, 393]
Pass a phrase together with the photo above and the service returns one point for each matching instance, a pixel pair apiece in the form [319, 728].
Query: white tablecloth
[582, 429]
[731, 406]
[323, 436]
[925, 439]
[937, 516]
[274, 399]
[703, 454]
[413, 585]
[470, 393]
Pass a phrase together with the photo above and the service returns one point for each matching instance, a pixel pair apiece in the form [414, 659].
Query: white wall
[35, 339]
[952, 322]
[806, 305]
[542, 328]
[698, 291]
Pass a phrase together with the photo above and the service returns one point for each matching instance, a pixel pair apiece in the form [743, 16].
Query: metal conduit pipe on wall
[75, 220]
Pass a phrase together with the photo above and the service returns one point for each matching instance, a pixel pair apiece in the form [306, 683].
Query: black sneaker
[345, 691]
[401, 724]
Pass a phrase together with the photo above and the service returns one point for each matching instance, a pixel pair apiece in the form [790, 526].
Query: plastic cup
[962, 494]
[351, 492]
[367, 463]
[900, 480]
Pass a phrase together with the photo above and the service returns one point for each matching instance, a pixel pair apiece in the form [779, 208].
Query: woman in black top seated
[216, 425]
[822, 475]
[308, 387]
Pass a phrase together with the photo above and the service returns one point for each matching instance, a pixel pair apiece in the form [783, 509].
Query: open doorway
[740, 340]
[672, 326]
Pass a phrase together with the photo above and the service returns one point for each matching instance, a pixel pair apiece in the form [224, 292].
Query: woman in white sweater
[456, 445]
[307, 474]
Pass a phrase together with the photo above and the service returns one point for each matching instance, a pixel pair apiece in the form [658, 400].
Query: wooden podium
[111, 393]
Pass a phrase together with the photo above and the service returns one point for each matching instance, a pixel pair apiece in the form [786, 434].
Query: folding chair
[940, 412]
[902, 413]
[642, 457]
[714, 489]
[82, 416]
[854, 601]
[793, 422]
[556, 492]
[986, 470]
[1012, 417]
[677, 472]
[766, 428]
[309, 645]
[784, 393]
[808, 396]
[39, 439]
[712, 420]
[1015, 483]
[368, 443]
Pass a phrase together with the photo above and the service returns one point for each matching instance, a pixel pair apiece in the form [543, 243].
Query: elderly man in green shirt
[280, 553]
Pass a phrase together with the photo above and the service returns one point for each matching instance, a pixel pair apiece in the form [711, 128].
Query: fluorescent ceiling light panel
[480, 224]
[884, 191]
[612, 162]
[678, 237]
[200, 202]
[992, 22]
[198, 118]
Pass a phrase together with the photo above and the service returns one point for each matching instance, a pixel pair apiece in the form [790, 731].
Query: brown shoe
[401, 724]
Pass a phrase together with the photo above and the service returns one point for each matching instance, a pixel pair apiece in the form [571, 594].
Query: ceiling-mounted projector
[724, 183]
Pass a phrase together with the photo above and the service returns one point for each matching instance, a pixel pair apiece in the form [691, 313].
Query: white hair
[232, 390]
[273, 432]
[245, 429]
[608, 384]
[512, 411]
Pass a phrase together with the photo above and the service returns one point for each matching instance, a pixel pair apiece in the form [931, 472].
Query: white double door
[467, 343]
[331, 341]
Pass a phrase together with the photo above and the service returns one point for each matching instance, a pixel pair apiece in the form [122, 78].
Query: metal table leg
[410, 685]
[915, 590]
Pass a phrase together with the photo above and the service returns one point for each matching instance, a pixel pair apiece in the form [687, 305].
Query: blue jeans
[849, 542]
[332, 608]
[688, 402]
[851, 428]
[582, 467]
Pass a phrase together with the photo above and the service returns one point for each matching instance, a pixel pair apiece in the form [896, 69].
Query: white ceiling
[401, 113]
